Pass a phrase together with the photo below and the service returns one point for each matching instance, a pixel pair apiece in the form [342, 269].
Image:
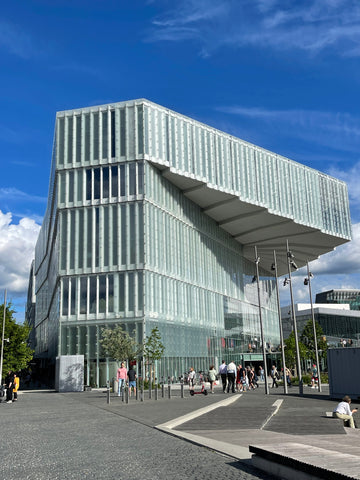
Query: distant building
[351, 297]
[151, 221]
[338, 322]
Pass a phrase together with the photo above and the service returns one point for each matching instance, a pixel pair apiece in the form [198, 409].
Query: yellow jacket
[16, 383]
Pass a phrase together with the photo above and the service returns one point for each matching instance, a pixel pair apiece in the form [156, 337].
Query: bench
[304, 462]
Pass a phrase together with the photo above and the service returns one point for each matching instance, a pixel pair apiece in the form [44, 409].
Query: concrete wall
[343, 366]
[69, 375]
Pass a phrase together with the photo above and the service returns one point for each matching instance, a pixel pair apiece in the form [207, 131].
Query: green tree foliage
[307, 338]
[17, 353]
[290, 351]
[118, 344]
[153, 348]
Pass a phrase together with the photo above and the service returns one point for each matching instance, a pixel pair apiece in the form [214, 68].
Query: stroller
[203, 390]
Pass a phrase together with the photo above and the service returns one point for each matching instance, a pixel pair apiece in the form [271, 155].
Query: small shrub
[307, 379]
[146, 385]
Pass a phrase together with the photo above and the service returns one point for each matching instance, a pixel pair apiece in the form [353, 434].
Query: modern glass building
[338, 322]
[152, 220]
[343, 295]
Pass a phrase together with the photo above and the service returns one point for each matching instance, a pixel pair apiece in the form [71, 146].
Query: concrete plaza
[48, 435]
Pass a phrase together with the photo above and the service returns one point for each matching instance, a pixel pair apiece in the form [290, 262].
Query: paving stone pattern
[63, 437]
[304, 416]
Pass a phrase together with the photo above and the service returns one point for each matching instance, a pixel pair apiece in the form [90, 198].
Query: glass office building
[338, 323]
[351, 297]
[152, 220]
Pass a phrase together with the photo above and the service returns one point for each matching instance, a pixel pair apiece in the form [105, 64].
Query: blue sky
[283, 75]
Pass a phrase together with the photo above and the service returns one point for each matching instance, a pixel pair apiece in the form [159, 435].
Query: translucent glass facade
[120, 243]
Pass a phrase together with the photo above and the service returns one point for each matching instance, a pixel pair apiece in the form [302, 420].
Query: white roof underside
[252, 225]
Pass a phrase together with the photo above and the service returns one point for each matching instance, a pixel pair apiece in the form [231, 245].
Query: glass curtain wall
[198, 286]
[120, 244]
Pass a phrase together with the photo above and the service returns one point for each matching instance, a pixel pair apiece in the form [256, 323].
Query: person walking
[9, 383]
[191, 377]
[121, 376]
[274, 375]
[250, 376]
[288, 376]
[223, 374]
[239, 371]
[212, 377]
[16, 387]
[244, 381]
[261, 373]
[255, 378]
[314, 376]
[343, 411]
[132, 380]
[231, 372]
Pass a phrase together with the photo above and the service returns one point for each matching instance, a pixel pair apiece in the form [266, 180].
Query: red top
[121, 373]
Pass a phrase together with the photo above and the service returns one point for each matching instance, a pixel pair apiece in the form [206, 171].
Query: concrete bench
[305, 462]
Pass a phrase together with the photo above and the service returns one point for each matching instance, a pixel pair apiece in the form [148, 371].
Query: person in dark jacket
[9, 383]
[132, 380]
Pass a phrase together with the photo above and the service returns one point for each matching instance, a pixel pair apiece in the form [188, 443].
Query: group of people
[276, 375]
[238, 378]
[12, 383]
[122, 376]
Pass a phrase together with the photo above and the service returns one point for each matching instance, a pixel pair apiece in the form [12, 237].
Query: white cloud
[344, 260]
[15, 194]
[334, 270]
[17, 243]
[309, 26]
[339, 129]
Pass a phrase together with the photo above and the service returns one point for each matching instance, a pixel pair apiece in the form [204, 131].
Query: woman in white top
[191, 377]
[343, 411]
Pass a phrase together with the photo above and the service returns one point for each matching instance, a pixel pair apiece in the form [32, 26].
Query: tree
[307, 338]
[17, 353]
[118, 344]
[153, 349]
[290, 351]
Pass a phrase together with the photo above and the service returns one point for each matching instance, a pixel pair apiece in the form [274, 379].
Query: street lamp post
[292, 264]
[274, 267]
[2, 340]
[307, 281]
[257, 261]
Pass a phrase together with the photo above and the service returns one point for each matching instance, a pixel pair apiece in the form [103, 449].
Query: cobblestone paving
[57, 436]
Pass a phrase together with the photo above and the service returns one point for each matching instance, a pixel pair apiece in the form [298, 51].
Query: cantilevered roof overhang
[260, 198]
[253, 225]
